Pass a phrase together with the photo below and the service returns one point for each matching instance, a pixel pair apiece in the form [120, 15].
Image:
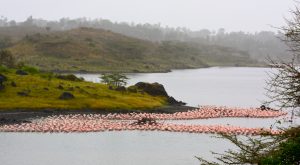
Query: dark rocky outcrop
[156, 89]
[66, 96]
[21, 72]
[173, 101]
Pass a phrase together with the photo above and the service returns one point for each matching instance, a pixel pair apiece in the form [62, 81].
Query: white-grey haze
[233, 15]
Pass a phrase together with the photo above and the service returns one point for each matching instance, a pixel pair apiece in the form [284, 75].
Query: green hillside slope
[37, 91]
[96, 50]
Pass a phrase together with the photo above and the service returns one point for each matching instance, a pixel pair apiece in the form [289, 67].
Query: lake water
[210, 86]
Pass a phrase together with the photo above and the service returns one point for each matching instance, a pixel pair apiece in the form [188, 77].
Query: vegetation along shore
[29, 89]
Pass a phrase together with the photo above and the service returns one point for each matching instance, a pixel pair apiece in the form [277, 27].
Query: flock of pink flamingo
[203, 112]
[119, 122]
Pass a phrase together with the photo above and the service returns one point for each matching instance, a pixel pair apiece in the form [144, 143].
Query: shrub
[114, 79]
[288, 151]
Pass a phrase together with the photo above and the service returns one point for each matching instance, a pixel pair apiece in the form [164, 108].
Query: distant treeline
[259, 45]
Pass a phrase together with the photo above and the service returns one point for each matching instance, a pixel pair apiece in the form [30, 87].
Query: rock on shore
[156, 89]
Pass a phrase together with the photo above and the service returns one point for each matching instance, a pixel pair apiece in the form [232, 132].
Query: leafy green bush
[282, 149]
[114, 79]
[288, 152]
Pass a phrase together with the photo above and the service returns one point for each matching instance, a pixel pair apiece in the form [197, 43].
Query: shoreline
[159, 71]
[20, 115]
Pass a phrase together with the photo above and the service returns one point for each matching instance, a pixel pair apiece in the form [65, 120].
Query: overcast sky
[233, 15]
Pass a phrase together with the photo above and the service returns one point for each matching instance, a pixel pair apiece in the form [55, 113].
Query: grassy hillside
[38, 91]
[97, 50]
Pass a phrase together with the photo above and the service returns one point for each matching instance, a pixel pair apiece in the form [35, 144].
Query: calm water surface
[208, 86]
[211, 86]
